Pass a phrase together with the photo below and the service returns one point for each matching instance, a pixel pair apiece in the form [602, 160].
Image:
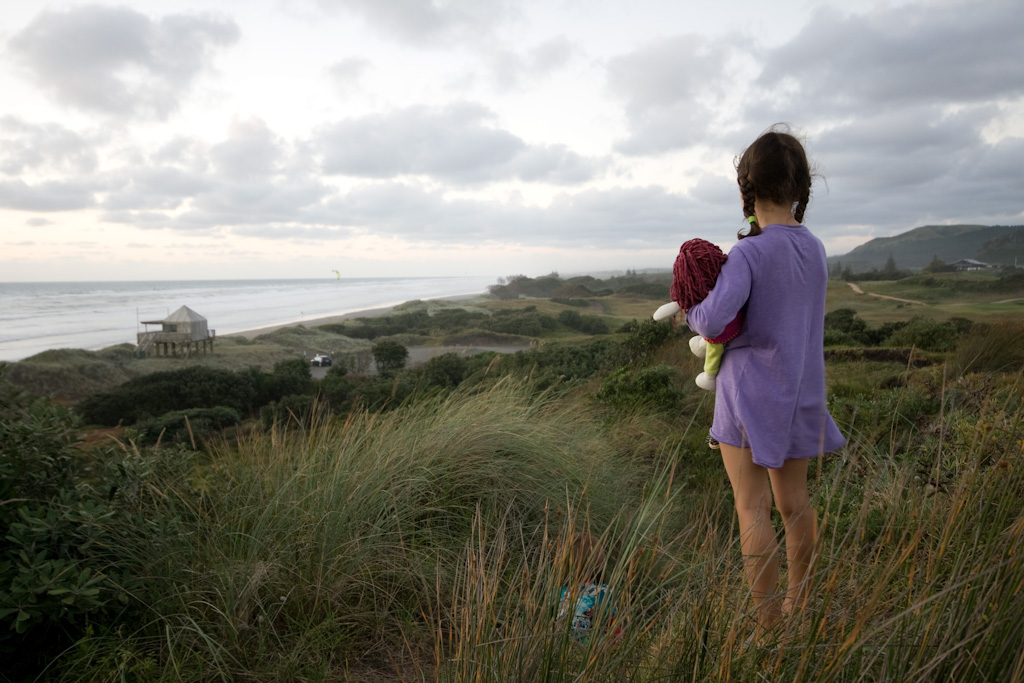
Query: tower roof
[184, 314]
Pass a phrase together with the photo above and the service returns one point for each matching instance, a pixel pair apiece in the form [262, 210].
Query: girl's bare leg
[789, 484]
[753, 494]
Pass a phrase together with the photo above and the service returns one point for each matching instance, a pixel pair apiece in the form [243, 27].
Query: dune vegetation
[427, 536]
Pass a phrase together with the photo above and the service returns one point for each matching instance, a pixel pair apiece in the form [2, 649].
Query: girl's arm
[732, 289]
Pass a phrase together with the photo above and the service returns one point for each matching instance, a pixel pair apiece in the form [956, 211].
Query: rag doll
[693, 276]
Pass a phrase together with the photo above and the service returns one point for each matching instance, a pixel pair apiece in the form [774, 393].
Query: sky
[225, 139]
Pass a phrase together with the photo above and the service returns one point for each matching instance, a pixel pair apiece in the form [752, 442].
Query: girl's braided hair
[774, 169]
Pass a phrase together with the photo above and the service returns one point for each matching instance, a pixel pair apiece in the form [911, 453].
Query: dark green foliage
[557, 362]
[446, 371]
[587, 324]
[192, 426]
[376, 393]
[650, 290]
[652, 388]
[526, 322]
[162, 392]
[296, 409]
[654, 286]
[411, 322]
[645, 337]
[843, 327]
[927, 334]
[991, 347]
[389, 356]
[53, 573]
[580, 303]
[937, 265]
[338, 369]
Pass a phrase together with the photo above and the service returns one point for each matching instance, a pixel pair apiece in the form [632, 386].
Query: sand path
[856, 288]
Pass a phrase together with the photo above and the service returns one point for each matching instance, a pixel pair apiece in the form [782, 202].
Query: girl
[770, 412]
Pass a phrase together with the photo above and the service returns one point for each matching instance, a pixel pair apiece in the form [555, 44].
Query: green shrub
[651, 388]
[991, 347]
[836, 338]
[54, 569]
[294, 410]
[588, 324]
[192, 426]
[389, 356]
[927, 334]
[446, 371]
[645, 337]
[163, 392]
[525, 322]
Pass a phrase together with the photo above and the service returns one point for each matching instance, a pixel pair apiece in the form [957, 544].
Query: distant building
[183, 331]
[968, 264]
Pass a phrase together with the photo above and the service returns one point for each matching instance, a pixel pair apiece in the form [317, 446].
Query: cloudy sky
[203, 139]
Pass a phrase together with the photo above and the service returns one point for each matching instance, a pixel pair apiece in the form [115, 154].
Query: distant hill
[914, 249]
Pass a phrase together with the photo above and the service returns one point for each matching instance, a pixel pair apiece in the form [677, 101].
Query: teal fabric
[588, 598]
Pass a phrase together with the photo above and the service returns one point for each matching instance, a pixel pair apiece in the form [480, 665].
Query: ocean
[37, 316]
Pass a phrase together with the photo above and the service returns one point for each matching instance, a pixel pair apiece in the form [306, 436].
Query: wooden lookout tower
[183, 331]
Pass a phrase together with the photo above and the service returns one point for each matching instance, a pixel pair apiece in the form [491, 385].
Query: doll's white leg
[698, 346]
[706, 381]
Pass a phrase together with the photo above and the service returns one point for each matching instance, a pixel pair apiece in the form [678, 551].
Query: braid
[801, 205]
[747, 193]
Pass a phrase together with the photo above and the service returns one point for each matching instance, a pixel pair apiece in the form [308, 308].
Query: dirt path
[855, 287]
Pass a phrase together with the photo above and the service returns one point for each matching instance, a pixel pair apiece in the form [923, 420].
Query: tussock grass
[431, 543]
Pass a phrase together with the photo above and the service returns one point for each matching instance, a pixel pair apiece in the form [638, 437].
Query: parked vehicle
[320, 360]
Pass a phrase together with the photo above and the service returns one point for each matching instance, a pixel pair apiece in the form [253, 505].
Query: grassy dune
[431, 542]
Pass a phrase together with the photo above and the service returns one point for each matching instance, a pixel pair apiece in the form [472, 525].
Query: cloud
[430, 22]
[453, 143]
[670, 89]
[939, 54]
[38, 222]
[512, 69]
[251, 150]
[613, 218]
[252, 177]
[47, 196]
[347, 74]
[30, 147]
[114, 60]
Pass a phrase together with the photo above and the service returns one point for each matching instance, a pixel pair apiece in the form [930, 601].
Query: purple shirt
[770, 394]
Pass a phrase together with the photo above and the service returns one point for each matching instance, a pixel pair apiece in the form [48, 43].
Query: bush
[588, 324]
[525, 323]
[191, 426]
[645, 337]
[927, 334]
[446, 371]
[54, 575]
[297, 409]
[991, 347]
[652, 388]
[389, 356]
[162, 392]
[559, 362]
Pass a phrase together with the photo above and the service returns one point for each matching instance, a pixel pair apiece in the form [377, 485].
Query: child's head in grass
[586, 557]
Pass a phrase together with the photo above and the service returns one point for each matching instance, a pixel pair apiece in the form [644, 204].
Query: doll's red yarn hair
[695, 272]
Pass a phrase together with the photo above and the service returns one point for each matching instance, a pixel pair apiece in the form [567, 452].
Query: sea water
[37, 316]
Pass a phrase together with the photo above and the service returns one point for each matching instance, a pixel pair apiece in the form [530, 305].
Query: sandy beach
[364, 313]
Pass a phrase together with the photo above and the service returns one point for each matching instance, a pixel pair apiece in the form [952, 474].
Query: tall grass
[914, 582]
[431, 543]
